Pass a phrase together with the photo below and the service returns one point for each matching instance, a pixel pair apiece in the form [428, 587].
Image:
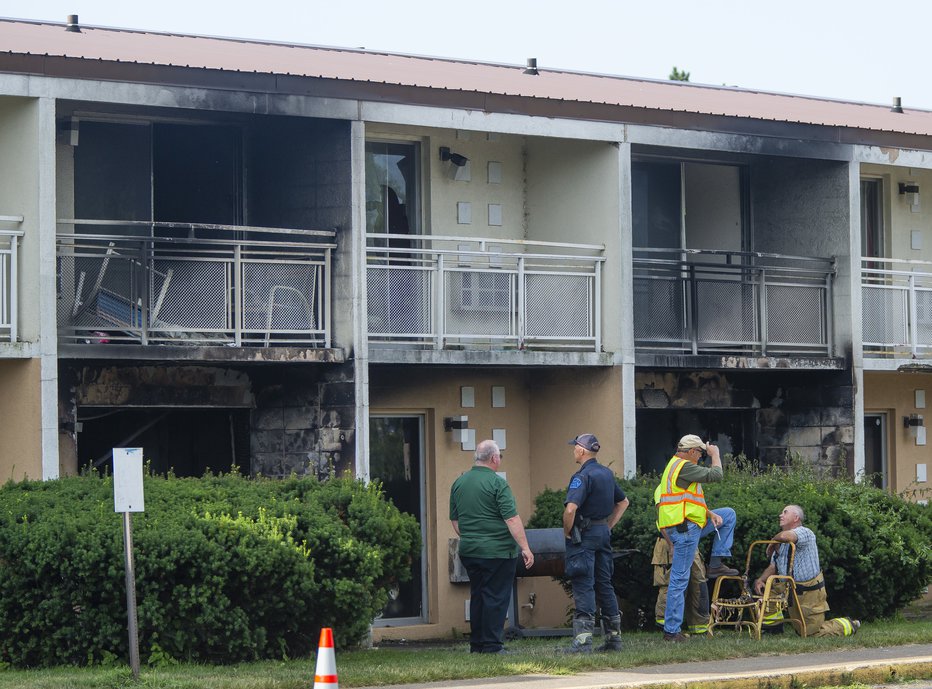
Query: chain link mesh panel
[725, 313]
[884, 316]
[480, 303]
[923, 317]
[795, 314]
[558, 306]
[399, 301]
[280, 297]
[195, 299]
[659, 314]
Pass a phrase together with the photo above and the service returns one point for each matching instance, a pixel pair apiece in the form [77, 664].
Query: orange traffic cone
[325, 676]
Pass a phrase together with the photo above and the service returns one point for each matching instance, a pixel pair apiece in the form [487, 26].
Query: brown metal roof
[121, 46]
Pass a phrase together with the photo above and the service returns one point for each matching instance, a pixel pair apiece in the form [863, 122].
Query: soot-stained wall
[283, 420]
[767, 416]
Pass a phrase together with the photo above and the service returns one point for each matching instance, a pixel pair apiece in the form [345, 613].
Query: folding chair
[751, 611]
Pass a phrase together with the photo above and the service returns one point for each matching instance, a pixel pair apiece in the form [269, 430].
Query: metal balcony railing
[193, 284]
[9, 280]
[467, 293]
[729, 302]
[896, 298]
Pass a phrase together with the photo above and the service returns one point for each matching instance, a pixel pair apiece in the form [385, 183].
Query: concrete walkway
[866, 665]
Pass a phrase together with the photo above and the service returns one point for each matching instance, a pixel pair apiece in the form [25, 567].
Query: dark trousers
[490, 582]
[590, 567]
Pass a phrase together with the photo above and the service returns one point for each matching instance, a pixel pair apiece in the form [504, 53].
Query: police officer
[594, 504]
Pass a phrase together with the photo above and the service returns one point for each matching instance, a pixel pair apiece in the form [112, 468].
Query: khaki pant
[812, 608]
[696, 616]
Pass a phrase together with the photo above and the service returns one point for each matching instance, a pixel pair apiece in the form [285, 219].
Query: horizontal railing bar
[196, 226]
[904, 261]
[82, 239]
[375, 251]
[729, 252]
[482, 240]
[11, 218]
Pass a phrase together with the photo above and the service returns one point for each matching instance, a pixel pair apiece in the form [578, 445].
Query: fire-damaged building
[288, 259]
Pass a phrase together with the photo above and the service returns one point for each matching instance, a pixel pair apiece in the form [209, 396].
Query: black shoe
[721, 570]
[679, 637]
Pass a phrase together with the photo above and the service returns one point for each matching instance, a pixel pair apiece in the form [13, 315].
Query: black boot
[582, 635]
[611, 631]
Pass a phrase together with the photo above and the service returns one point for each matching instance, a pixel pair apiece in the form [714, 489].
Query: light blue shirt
[806, 561]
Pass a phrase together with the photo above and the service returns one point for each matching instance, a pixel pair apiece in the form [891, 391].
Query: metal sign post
[128, 498]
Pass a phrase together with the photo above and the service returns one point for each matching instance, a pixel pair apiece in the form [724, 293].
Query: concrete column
[857, 313]
[360, 344]
[625, 355]
[48, 326]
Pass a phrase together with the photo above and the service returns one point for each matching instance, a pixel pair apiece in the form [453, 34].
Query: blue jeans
[684, 550]
[590, 566]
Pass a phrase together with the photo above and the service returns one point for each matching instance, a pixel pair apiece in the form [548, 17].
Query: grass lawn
[433, 662]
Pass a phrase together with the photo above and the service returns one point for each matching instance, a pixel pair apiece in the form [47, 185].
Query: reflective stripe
[845, 625]
[697, 628]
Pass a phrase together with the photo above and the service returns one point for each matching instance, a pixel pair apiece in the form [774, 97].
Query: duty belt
[802, 588]
[598, 522]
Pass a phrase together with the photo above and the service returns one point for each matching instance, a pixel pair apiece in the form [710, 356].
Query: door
[397, 281]
[396, 460]
[875, 449]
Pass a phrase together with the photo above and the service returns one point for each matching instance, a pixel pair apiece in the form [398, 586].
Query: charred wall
[766, 416]
[268, 420]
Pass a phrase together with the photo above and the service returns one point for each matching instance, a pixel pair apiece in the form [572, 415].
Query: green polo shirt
[480, 502]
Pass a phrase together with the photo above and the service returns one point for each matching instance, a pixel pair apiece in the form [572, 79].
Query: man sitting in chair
[807, 572]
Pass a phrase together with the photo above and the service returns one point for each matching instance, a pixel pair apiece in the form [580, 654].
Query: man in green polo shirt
[484, 516]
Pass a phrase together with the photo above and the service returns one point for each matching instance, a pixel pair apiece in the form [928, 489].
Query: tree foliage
[677, 74]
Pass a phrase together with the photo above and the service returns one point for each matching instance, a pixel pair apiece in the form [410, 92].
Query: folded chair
[751, 611]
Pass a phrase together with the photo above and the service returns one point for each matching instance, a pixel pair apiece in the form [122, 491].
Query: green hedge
[227, 568]
[875, 548]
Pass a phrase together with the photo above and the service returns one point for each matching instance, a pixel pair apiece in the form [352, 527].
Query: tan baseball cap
[688, 442]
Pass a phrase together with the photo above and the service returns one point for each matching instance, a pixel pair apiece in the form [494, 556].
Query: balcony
[9, 282]
[441, 292]
[896, 308]
[193, 284]
[689, 301]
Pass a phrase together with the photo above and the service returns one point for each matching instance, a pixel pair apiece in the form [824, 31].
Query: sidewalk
[867, 665]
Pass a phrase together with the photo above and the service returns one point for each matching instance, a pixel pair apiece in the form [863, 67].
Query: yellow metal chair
[751, 611]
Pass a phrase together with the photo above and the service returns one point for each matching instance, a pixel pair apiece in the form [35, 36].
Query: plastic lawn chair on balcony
[751, 611]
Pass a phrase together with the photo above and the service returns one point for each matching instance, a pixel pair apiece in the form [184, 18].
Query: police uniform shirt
[594, 489]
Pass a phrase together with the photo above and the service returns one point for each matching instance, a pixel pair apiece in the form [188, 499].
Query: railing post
[597, 310]
[439, 302]
[764, 324]
[913, 315]
[145, 263]
[325, 297]
[522, 313]
[830, 314]
[692, 308]
[14, 289]
[236, 303]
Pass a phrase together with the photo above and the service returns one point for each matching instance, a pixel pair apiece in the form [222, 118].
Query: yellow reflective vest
[674, 504]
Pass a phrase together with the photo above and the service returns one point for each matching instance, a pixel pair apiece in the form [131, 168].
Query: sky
[852, 50]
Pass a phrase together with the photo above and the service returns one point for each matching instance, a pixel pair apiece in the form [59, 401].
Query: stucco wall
[899, 219]
[19, 195]
[894, 394]
[543, 410]
[21, 449]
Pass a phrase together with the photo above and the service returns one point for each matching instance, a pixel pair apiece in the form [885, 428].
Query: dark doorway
[875, 449]
[188, 442]
[396, 460]
[658, 431]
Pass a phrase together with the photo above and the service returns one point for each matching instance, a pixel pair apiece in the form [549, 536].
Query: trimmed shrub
[227, 568]
[875, 548]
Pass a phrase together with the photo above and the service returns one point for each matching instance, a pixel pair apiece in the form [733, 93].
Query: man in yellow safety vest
[683, 518]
